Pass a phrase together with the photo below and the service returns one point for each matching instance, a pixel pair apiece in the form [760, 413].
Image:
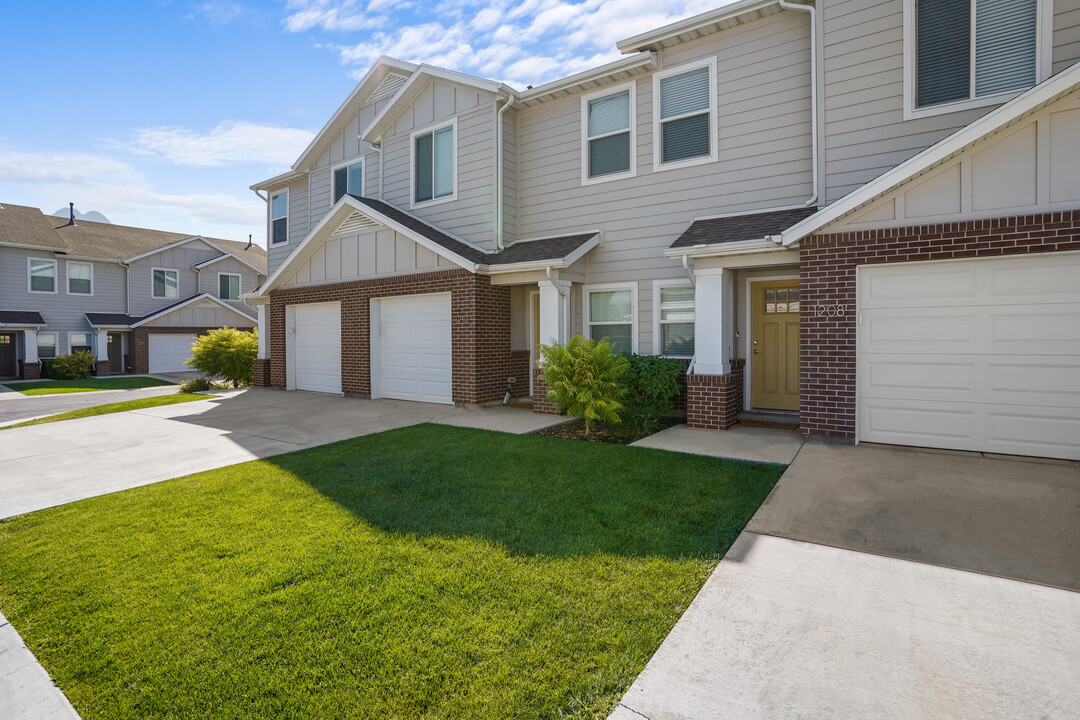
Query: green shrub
[652, 384]
[226, 353]
[583, 379]
[197, 384]
[76, 366]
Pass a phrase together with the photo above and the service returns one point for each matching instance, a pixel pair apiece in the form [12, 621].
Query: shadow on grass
[535, 495]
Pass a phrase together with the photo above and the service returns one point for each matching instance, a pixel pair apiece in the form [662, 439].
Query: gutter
[378, 148]
[498, 174]
[551, 279]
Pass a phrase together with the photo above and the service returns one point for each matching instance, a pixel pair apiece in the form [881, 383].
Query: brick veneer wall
[713, 402]
[518, 367]
[261, 372]
[30, 371]
[827, 278]
[480, 317]
[541, 404]
[101, 368]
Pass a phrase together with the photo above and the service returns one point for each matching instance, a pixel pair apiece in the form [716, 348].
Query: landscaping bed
[575, 430]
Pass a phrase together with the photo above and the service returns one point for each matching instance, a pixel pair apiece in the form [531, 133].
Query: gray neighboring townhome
[863, 216]
[136, 298]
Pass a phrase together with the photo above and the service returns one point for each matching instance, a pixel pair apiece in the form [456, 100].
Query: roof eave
[641, 62]
[739, 247]
[653, 39]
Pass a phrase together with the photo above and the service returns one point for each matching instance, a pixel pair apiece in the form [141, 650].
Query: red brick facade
[480, 314]
[101, 368]
[518, 368]
[713, 402]
[827, 278]
[29, 371]
[541, 404]
[261, 373]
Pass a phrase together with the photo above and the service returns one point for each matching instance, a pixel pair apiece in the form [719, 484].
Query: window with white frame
[81, 342]
[348, 179]
[684, 115]
[607, 121]
[611, 314]
[42, 275]
[166, 283]
[279, 218]
[433, 164]
[674, 319]
[80, 278]
[46, 345]
[228, 286]
[963, 50]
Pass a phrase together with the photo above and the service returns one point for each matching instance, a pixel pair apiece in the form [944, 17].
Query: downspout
[378, 149]
[813, 90]
[553, 281]
[687, 270]
[499, 176]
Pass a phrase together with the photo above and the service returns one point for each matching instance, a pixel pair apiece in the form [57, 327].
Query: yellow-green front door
[774, 345]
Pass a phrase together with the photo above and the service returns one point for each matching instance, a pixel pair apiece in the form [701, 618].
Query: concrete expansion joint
[624, 705]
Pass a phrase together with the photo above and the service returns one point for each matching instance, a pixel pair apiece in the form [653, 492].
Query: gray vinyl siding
[180, 259]
[298, 224]
[1066, 33]
[510, 175]
[249, 279]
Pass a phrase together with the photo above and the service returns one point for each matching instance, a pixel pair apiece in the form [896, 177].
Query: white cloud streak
[226, 144]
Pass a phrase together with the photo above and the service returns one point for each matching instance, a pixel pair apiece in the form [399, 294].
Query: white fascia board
[22, 325]
[190, 301]
[277, 181]
[1042, 94]
[219, 258]
[170, 246]
[720, 249]
[645, 60]
[637, 42]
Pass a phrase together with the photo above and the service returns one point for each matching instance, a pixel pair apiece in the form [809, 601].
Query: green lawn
[426, 572]
[112, 408]
[54, 387]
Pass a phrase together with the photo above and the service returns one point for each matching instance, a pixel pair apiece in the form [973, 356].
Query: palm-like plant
[583, 379]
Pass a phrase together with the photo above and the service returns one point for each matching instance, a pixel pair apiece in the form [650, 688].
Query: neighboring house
[136, 298]
[859, 213]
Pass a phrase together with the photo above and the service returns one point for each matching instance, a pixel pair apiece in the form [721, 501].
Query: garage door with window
[168, 352]
[979, 354]
[414, 349]
[315, 338]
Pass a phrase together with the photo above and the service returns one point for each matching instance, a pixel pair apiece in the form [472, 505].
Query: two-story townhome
[856, 213]
[136, 298]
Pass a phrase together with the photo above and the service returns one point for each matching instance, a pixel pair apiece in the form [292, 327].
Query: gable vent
[355, 224]
[390, 85]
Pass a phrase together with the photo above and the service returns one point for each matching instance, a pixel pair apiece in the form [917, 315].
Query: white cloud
[240, 142]
[220, 13]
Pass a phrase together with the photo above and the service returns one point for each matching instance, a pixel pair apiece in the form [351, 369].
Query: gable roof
[225, 256]
[129, 321]
[740, 228]
[1011, 112]
[697, 26]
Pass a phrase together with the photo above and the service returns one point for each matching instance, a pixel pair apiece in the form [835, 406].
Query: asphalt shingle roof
[20, 317]
[752, 226]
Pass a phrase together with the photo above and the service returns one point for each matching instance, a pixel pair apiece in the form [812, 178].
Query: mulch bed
[575, 430]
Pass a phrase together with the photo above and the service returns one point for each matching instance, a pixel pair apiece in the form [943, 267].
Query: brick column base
[30, 371]
[262, 372]
[541, 404]
[101, 368]
[713, 402]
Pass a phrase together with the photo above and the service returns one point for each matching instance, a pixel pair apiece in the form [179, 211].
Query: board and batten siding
[180, 259]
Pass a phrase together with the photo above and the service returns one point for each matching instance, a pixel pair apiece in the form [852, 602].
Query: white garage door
[414, 347]
[972, 355]
[317, 347]
[168, 352]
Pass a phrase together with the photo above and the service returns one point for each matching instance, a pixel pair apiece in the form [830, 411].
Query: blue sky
[161, 114]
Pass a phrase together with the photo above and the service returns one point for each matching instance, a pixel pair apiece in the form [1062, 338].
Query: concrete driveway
[16, 407]
[57, 463]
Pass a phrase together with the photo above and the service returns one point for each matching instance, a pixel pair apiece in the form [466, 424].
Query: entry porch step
[785, 419]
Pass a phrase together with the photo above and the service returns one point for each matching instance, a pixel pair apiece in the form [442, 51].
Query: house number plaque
[829, 310]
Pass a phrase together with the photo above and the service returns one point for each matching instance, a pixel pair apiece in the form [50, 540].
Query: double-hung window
[348, 179]
[684, 116]
[433, 164]
[608, 121]
[279, 218]
[673, 308]
[228, 286]
[963, 53]
[166, 283]
[80, 278]
[611, 313]
[42, 275]
[81, 342]
[46, 345]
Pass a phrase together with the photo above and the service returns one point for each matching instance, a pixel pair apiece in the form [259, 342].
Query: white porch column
[30, 346]
[714, 321]
[264, 331]
[102, 345]
[554, 312]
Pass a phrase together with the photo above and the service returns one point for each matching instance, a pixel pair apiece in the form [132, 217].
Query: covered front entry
[412, 348]
[9, 366]
[774, 345]
[314, 339]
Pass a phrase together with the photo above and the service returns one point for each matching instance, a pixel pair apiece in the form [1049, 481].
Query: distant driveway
[15, 407]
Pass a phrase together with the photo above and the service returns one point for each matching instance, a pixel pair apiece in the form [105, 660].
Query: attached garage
[978, 354]
[314, 345]
[168, 352]
[412, 348]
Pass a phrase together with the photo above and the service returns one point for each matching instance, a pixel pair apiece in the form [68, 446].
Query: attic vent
[390, 85]
[355, 224]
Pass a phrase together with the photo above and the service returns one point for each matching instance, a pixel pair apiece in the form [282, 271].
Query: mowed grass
[56, 387]
[426, 572]
[112, 408]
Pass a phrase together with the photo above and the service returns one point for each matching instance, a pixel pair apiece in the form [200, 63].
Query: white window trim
[164, 297]
[56, 344]
[358, 159]
[1044, 56]
[633, 288]
[92, 338]
[632, 172]
[430, 129]
[67, 284]
[56, 276]
[270, 211]
[239, 285]
[714, 125]
[658, 341]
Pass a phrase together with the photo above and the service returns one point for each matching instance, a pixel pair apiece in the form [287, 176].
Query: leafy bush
[652, 384]
[583, 379]
[76, 366]
[226, 353]
[197, 384]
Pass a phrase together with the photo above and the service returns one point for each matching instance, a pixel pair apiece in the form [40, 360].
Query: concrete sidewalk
[26, 690]
[16, 407]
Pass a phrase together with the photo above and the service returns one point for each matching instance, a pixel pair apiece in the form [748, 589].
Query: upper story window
[348, 179]
[80, 278]
[684, 116]
[673, 310]
[166, 283]
[434, 169]
[41, 275]
[279, 217]
[968, 53]
[607, 120]
[228, 286]
[612, 314]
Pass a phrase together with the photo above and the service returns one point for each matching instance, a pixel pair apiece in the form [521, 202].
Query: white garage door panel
[415, 348]
[317, 347]
[974, 355]
[168, 352]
